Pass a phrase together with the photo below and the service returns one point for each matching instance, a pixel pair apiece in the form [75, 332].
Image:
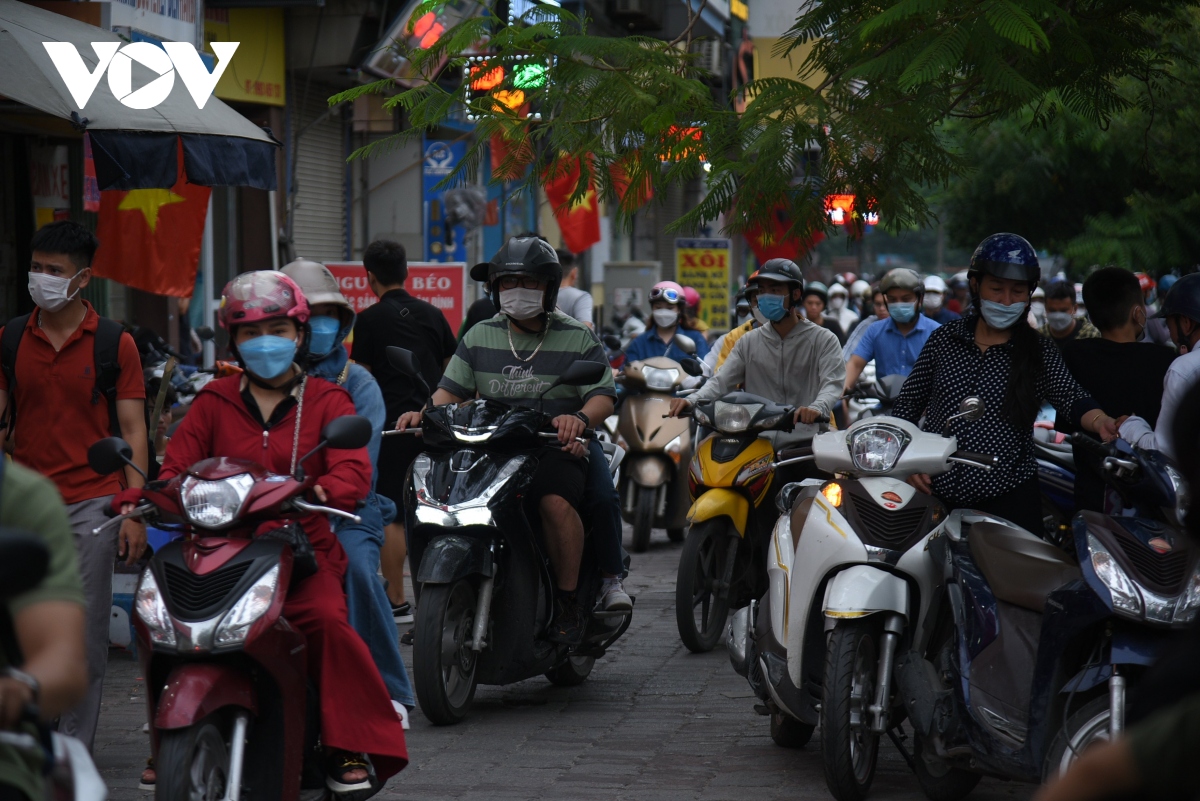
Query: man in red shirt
[57, 413]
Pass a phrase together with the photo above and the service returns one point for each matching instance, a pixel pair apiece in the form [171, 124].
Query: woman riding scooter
[271, 415]
[667, 307]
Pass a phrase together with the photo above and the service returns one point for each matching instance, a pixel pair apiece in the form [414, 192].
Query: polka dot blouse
[951, 367]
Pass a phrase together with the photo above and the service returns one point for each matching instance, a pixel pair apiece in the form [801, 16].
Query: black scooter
[484, 581]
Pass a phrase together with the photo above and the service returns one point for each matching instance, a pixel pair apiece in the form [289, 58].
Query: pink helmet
[692, 297]
[261, 295]
[669, 291]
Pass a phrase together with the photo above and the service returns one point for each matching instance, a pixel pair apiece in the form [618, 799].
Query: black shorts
[559, 473]
[396, 454]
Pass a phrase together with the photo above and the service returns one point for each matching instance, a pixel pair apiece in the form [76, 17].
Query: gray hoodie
[805, 369]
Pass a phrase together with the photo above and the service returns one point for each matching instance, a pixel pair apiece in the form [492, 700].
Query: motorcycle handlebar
[974, 459]
[305, 506]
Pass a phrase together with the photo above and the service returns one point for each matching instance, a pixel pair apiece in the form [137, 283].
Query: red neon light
[485, 81]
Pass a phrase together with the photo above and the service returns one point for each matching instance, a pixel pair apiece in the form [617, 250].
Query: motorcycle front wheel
[443, 661]
[701, 604]
[643, 517]
[1088, 726]
[193, 763]
[848, 745]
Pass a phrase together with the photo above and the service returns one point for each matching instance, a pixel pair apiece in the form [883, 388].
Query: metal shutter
[320, 226]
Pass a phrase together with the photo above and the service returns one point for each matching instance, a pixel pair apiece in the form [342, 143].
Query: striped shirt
[485, 364]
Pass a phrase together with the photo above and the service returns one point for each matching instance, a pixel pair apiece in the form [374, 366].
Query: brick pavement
[652, 722]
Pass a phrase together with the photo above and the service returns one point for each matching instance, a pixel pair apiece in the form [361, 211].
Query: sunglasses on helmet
[665, 293]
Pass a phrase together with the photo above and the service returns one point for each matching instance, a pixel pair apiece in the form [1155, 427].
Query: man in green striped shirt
[513, 358]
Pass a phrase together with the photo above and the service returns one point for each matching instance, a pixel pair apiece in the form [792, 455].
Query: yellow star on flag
[584, 202]
[148, 202]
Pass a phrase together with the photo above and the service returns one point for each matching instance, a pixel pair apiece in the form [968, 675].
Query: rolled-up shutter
[320, 211]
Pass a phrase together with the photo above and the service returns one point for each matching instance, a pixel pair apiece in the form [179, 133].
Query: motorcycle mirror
[205, 333]
[24, 559]
[580, 374]
[889, 386]
[685, 344]
[347, 432]
[787, 496]
[692, 367]
[110, 455]
[611, 341]
[404, 362]
[971, 408]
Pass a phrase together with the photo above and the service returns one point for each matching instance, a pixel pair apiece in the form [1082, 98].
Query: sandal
[407, 638]
[340, 763]
[149, 776]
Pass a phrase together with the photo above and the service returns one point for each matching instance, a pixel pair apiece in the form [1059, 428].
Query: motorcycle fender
[648, 471]
[721, 503]
[195, 690]
[451, 557]
[862, 590]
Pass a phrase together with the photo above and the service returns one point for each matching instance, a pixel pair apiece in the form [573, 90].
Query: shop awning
[132, 148]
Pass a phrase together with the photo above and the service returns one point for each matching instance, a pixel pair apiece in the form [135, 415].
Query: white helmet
[934, 283]
[838, 289]
[860, 288]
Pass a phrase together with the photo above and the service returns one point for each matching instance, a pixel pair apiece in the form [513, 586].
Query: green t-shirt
[485, 363]
[31, 502]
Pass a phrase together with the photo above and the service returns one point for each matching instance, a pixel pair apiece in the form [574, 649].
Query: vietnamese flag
[774, 243]
[579, 222]
[501, 148]
[150, 238]
[620, 180]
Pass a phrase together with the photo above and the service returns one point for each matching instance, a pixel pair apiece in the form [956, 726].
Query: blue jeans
[602, 506]
[367, 600]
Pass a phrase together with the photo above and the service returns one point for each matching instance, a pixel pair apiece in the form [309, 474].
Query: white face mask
[759, 316]
[665, 318]
[521, 304]
[933, 300]
[836, 303]
[49, 292]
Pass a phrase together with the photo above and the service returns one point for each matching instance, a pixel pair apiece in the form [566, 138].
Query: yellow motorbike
[730, 477]
[652, 488]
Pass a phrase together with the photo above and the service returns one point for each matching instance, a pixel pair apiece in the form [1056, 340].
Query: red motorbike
[231, 711]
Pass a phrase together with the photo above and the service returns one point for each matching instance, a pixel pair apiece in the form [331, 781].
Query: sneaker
[613, 597]
[402, 713]
[402, 613]
[567, 627]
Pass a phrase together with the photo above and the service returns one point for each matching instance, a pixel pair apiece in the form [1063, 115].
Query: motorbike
[653, 488]
[1029, 651]
[1056, 481]
[67, 767]
[849, 581]
[729, 478]
[231, 711]
[484, 579]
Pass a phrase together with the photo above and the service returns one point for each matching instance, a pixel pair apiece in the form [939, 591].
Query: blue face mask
[997, 315]
[325, 332]
[902, 312]
[771, 307]
[268, 357]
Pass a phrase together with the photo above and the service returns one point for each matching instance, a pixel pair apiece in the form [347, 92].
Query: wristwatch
[587, 421]
[29, 681]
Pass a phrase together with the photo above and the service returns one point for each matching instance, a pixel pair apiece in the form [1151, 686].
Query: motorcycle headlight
[211, 504]
[1183, 495]
[1185, 610]
[660, 378]
[1125, 595]
[734, 418]
[875, 449]
[151, 608]
[236, 624]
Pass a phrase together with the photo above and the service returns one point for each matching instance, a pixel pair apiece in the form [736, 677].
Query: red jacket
[219, 424]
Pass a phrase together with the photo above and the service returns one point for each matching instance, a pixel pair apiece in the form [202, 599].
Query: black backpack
[108, 370]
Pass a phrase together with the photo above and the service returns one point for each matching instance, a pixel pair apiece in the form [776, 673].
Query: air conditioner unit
[710, 55]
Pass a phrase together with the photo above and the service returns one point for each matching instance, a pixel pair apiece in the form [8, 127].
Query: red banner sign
[441, 284]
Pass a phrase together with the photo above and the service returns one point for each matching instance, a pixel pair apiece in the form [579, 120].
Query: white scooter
[854, 549]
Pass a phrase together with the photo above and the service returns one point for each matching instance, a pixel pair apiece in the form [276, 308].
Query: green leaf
[1013, 23]
[939, 58]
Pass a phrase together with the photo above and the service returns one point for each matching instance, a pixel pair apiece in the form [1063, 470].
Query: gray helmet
[319, 286]
[1183, 299]
[818, 289]
[523, 255]
[784, 270]
[903, 278]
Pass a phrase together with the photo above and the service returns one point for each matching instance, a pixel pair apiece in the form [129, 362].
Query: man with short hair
[573, 301]
[57, 409]
[411, 323]
[1114, 301]
[895, 343]
[1062, 323]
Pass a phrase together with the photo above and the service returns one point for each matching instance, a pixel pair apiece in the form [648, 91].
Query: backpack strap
[108, 368]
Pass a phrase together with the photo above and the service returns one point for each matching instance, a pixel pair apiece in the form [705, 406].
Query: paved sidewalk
[653, 722]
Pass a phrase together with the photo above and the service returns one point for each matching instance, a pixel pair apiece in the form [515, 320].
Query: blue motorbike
[1026, 659]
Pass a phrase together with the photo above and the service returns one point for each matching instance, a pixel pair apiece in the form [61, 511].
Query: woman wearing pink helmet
[269, 415]
[667, 308]
[691, 311]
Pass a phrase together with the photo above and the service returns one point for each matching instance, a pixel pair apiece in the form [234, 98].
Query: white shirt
[576, 303]
[1179, 379]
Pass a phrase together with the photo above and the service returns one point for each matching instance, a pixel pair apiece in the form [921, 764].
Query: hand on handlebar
[131, 541]
[409, 420]
[569, 427]
[806, 414]
[680, 407]
[921, 482]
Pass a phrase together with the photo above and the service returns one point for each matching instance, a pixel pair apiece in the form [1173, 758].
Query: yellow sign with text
[703, 264]
[258, 71]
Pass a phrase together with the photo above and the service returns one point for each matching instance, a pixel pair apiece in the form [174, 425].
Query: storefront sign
[443, 285]
[442, 243]
[703, 264]
[50, 181]
[257, 72]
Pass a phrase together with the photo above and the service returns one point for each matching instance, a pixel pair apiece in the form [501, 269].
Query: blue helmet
[1183, 299]
[1007, 256]
[1165, 283]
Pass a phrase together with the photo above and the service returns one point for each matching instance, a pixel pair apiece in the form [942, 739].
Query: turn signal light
[833, 493]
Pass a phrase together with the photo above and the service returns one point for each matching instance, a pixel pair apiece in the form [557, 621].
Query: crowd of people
[70, 378]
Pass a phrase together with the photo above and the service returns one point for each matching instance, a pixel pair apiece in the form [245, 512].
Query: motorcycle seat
[1020, 568]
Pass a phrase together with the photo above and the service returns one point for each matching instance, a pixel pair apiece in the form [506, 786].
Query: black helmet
[784, 270]
[902, 278]
[1006, 256]
[1183, 299]
[523, 255]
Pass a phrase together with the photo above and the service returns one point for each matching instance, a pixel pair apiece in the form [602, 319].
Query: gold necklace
[513, 348]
